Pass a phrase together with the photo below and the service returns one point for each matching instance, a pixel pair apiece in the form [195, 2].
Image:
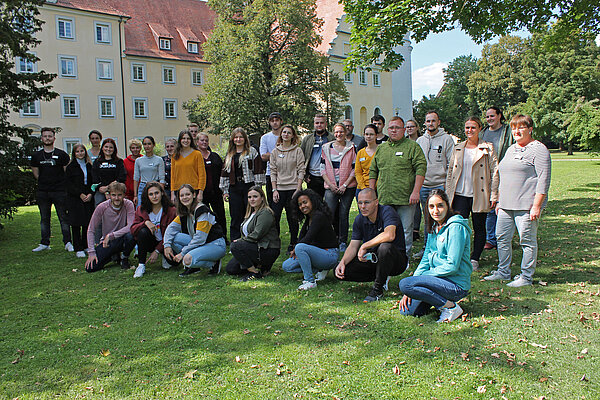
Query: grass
[69, 334]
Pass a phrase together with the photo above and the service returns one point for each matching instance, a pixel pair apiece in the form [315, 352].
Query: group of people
[173, 207]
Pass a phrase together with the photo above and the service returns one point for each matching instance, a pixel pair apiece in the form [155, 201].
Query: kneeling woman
[444, 274]
[317, 249]
[194, 236]
[258, 248]
[152, 218]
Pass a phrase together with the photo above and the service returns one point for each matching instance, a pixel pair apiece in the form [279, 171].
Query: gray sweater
[438, 150]
[523, 172]
[149, 169]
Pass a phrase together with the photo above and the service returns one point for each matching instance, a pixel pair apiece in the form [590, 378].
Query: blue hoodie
[448, 253]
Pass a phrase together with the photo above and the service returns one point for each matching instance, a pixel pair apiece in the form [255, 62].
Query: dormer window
[164, 44]
[192, 47]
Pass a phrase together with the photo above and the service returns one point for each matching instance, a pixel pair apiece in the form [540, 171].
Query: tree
[264, 59]
[498, 80]
[583, 125]
[380, 26]
[18, 24]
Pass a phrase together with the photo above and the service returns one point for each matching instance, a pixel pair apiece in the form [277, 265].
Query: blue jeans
[344, 201]
[310, 259]
[141, 187]
[490, 227]
[426, 291]
[204, 256]
[407, 216]
[423, 194]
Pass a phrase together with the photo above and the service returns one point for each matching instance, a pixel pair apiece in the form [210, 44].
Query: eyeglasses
[396, 128]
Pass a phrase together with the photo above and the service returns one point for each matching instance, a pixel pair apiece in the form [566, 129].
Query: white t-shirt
[155, 219]
[464, 186]
[245, 224]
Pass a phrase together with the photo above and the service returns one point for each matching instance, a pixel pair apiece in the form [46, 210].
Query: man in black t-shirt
[48, 167]
[377, 249]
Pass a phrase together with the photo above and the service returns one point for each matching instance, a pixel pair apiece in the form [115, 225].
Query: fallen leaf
[543, 379]
[254, 366]
[481, 389]
[584, 351]
[106, 325]
[495, 355]
[503, 389]
[247, 331]
[74, 270]
[278, 372]
[396, 370]
[16, 360]
[190, 374]
[238, 359]
[346, 362]
[105, 353]
[465, 356]
[584, 378]
[543, 283]
[541, 346]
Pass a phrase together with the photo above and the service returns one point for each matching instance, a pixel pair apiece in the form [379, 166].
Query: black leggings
[464, 206]
[285, 201]
[247, 254]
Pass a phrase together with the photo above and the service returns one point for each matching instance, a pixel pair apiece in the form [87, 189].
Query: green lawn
[68, 334]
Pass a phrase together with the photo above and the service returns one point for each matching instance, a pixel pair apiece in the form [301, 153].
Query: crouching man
[115, 215]
[376, 249]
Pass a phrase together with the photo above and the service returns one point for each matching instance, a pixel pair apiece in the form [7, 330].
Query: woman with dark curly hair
[317, 249]
[150, 223]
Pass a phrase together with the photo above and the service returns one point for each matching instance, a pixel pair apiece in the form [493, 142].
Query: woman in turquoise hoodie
[443, 276]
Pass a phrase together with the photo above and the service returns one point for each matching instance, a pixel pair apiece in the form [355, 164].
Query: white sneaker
[41, 247]
[450, 314]
[80, 254]
[519, 281]
[139, 271]
[165, 263]
[386, 284]
[306, 285]
[475, 265]
[496, 276]
[321, 275]
[69, 247]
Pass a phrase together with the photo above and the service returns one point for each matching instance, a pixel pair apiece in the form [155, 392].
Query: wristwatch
[344, 185]
[274, 189]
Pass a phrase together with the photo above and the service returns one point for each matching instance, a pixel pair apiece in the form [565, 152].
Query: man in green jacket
[398, 171]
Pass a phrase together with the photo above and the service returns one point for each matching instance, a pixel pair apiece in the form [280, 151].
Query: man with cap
[267, 144]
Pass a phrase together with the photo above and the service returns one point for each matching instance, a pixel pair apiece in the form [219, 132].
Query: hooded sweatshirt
[438, 150]
[447, 253]
[287, 167]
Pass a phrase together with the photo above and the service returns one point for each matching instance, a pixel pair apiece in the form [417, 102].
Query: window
[103, 33]
[164, 44]
[348, 114]
[377, 111]
[347, 48]
[138, 72]
[65, 28]
[362, 77]
[168, 74]
[348, 77]
[67, 66]
[376, 79]
[170, 108]
[197, 76]
[106, 107]
[193, 47]
[31, 109]
[68, 144]
[140, 107]
[104, 70]
[69, 106]
[25, 66]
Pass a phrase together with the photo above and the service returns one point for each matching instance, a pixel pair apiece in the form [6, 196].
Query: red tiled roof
[330, 11]
[99, 6]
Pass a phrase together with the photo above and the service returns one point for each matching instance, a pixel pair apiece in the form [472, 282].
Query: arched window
[348, 113]
[377, 111]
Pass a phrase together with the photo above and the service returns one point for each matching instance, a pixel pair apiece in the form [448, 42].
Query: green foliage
[454, 103]
[583, 125]
[263, 59]
[379, 26]
[18, 24]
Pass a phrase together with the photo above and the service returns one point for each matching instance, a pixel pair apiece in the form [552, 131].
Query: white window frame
[192, 47]
[194, 72]
[59, 19]
[74, 97]
[33, 65]
[62, 57]
[69, 142]
[174, 72]
[138, 64]
[362, 77]
[348, 77]
[145, 101]
[113, 102]
[102, 25]
[36, 113]
[100, 63]
[164, 43]
[376, 79]
[174, 103]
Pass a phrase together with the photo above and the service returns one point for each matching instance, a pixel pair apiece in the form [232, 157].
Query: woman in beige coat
[469, 182]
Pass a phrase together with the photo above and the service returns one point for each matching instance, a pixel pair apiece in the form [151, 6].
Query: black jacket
[78, 212]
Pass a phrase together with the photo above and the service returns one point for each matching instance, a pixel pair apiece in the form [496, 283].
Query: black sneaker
[374, 295]
[189, 271]
[215, 269]
[250, 276]
[125, 263]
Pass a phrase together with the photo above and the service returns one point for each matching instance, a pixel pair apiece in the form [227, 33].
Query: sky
[432, 55]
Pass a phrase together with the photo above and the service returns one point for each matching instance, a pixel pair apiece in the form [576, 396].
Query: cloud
[428, 80]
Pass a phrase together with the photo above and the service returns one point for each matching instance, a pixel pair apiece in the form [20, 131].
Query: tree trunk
[570, 149]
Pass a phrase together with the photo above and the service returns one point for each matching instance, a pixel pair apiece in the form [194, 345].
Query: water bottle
[371, 257]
